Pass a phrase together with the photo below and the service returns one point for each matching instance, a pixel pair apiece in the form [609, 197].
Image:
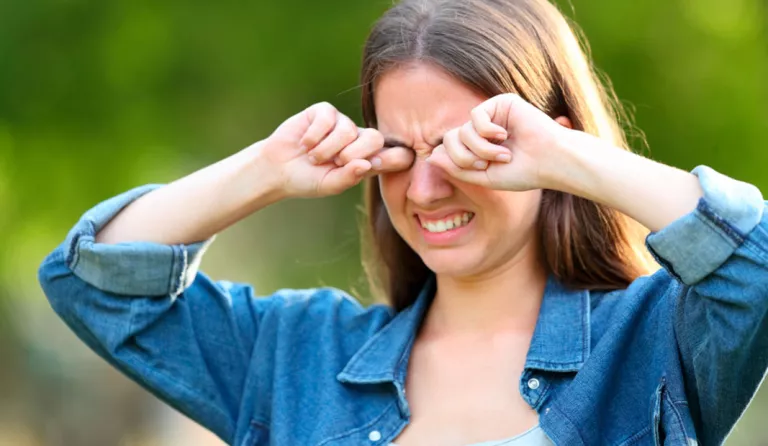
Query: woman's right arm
[297, 160]
[125, 279]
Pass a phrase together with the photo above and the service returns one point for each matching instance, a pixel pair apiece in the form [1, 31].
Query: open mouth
[448, 223]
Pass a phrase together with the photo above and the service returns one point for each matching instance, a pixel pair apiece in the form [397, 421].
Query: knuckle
[451, 135]
[345, 156]
[325, 106]
[349, 131]
[465, 131]
[372, 135]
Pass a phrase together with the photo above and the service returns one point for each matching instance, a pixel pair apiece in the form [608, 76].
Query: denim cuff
[134, 268]
[698, 243]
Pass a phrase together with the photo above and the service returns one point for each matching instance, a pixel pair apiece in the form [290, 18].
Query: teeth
[448, 224]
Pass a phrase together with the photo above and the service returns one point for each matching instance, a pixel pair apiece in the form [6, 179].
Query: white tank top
[534, 436]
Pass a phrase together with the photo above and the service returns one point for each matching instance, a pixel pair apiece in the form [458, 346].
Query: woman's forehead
[422, 100]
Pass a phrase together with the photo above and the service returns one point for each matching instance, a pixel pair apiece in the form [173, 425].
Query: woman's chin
[452, 263]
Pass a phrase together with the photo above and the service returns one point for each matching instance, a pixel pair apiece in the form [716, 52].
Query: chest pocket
[257, 435]
[671, 420]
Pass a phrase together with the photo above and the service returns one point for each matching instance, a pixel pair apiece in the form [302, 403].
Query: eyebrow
[393, 142]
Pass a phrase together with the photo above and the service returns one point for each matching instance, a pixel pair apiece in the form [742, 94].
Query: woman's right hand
[321, 152]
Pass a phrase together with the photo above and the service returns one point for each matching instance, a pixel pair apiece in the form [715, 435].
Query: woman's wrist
[652, 193]
[262, 180]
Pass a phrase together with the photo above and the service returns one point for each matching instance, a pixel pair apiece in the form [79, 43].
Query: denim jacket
[673, 359]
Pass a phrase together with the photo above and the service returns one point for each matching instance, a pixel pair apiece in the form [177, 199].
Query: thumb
[339, 179]
[439, 158]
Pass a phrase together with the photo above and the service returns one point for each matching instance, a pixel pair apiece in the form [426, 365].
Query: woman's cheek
[394, 187]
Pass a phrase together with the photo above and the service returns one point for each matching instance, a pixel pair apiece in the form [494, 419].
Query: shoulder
[328, 309]
[649, 298]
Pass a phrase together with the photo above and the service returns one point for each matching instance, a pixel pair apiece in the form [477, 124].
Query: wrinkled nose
[429, 184]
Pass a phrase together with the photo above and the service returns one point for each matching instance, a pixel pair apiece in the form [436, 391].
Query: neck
[506, 299]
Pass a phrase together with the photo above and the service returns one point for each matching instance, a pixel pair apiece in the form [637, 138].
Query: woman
[503, 208]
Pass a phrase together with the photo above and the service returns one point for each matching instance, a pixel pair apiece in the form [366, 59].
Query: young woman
[503, 210]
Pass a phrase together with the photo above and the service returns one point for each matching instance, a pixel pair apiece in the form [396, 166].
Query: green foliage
[97, 97]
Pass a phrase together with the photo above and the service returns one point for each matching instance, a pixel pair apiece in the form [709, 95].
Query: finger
[392, 159]
[322, 118]
[339, 179]
[368, 142]
[440, 158]
[481, 147]
[460, 154]
[344, 133]
[482, 121]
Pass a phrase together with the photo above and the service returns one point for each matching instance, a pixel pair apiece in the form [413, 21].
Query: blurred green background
[97, 97]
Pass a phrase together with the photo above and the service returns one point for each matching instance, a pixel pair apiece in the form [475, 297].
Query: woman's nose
[428, 184]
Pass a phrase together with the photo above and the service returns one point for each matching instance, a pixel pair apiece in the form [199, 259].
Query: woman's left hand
[508, 145]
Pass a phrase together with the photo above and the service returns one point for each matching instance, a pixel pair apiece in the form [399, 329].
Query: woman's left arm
[711, 233]
[708, 231]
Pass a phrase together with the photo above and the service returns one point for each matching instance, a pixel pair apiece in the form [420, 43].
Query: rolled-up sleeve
[146, 309]
[699, 242]
[719, 254]
[130, 268]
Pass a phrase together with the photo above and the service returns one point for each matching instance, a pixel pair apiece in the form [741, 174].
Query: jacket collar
[560, 343]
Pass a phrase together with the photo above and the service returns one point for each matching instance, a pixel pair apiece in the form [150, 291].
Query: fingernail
[337, 161]
[501, 136]
[504, 158]
[360, 171]
[480, 164]
[376, 162]
[312, 159]
[303, 147]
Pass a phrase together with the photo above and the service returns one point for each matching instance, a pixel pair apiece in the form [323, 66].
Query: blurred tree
[96, 97]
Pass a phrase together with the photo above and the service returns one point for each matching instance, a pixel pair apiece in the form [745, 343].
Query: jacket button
[533, 383]
[374, 436]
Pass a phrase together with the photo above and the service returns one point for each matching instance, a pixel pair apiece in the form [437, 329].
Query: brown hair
[500, 46]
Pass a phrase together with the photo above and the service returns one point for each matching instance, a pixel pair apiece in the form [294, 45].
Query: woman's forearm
[196, 207]
[652, 193]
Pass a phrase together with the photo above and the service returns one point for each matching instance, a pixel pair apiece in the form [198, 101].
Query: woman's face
[457, 228]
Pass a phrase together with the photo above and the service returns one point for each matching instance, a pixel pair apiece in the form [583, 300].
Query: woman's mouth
[447, 230]
[448, 223]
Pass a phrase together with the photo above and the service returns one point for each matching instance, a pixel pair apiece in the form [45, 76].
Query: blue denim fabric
[673, 359]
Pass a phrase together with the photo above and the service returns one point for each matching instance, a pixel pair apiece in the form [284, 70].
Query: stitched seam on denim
[172, 271]
[757, 249]
[664, 263]
[724, 234]
[575, 427]
[634, 438]
[73, 253]
[704, 209]
[692, 380]
[259, 423]
[361, 428]
[179, 276]
[677, 414]
[543, 392]
[352, 363]
[73, 250]
[556, 363]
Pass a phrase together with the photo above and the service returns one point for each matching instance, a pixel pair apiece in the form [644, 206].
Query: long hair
[525, 47]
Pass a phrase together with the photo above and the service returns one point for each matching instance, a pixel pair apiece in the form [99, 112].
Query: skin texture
[475, 337]
[416, 106]
[491, 157]
[488, 156]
